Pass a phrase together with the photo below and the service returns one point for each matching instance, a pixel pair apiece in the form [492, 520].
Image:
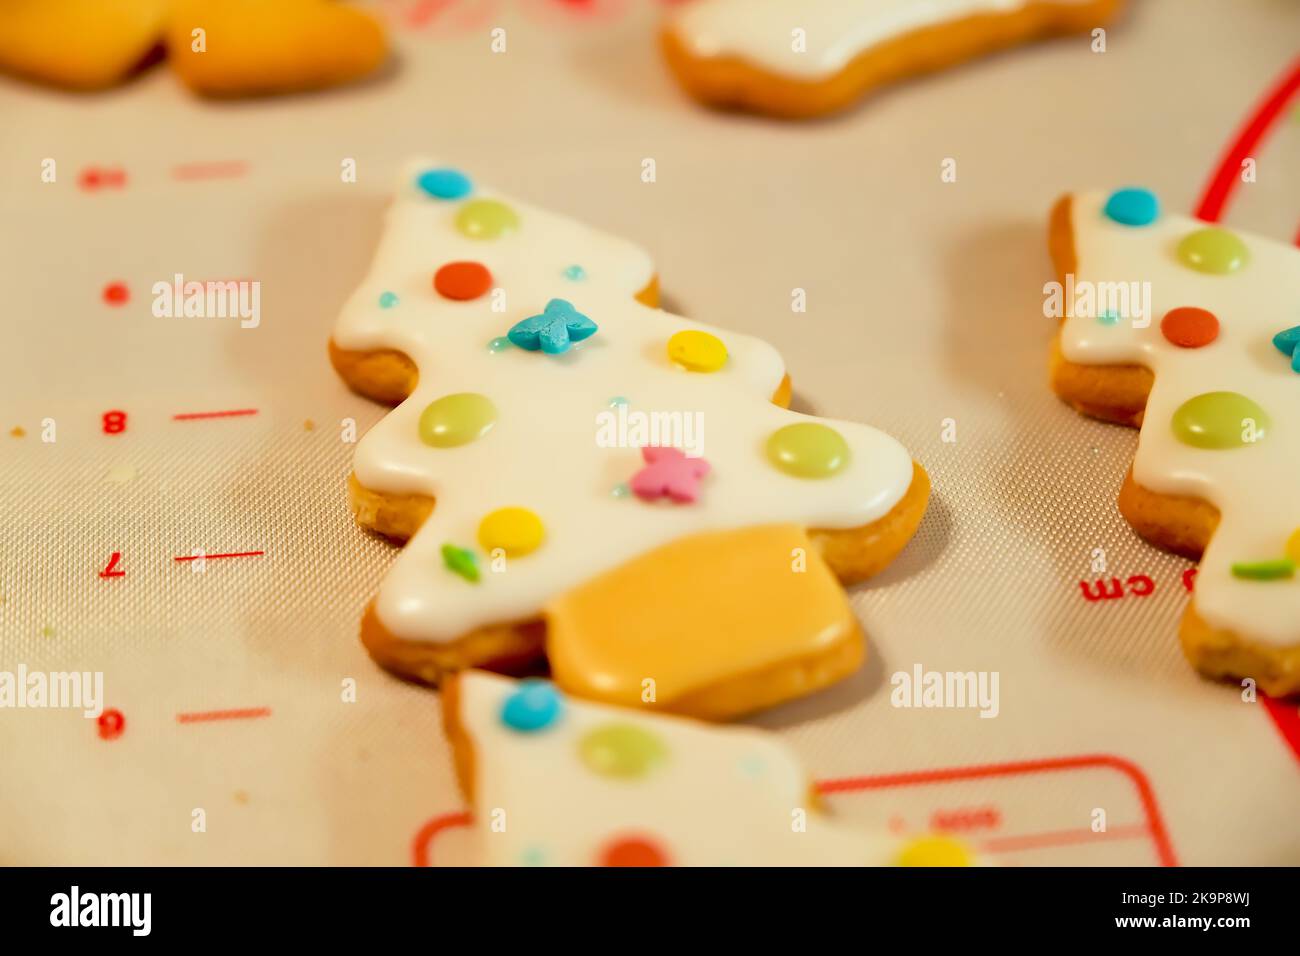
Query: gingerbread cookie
[217, 47]
[555, 781]
[587, 478]
[801, 58]
[79, 44]
[251, 47]
[1190, 332]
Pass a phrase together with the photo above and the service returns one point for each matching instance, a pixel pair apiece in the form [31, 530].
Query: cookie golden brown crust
[731, 82]
[462, 748]
[1184, 525]
[853, 554]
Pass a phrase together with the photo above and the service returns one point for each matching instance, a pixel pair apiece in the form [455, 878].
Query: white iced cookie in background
[1192, 331]
[587, 478]
[798, 58]
[555, 781]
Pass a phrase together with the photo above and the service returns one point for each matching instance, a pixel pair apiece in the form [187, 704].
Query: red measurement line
[194, 416]
[227, 169]
[204, 716]
[211, 557]
[1146, 795]
[1035, 841]
[1249, 136]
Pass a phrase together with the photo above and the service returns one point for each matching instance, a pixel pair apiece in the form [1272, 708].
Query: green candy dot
[1274, 570]
[1212, 250]
[457, 419]
[499, 344]
[808, 450]
[621, 750]
[461, 561]
[1220, 420]
[486, 219]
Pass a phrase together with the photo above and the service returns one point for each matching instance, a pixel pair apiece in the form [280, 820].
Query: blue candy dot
[387, 300]
[499, 344]
[534, 706]
[1133, 207]
[576, 273]
[444, 183]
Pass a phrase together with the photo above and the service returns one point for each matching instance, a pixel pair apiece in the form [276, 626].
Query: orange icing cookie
[217, 47]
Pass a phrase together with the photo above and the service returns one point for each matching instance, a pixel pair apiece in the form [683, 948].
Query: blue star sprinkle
[558, 327]
[1288, 343]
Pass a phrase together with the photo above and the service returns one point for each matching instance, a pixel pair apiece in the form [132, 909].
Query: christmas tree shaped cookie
[556, 781]
[1192, 332]
[587, 479]
[799, 58]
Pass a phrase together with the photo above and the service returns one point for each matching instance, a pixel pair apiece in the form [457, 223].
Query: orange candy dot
[633, 851]
[1189, 327]
[462, 280]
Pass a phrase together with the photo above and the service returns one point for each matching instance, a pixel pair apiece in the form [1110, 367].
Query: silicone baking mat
[225, 676]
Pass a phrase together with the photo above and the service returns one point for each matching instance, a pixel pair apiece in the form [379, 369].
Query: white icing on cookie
[542, 453]
[1255, 486]
[835, 31]
[716, 796]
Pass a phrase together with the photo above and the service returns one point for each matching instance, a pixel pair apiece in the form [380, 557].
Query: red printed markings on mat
[213, 557]
[208, 716]
[111, 724]
[1040, 773]
[1139, 585]
[112, 570]
[93, 178]
[197, 416]
[113, 422]
[221, 169]
[985, 816]
[1257, 125]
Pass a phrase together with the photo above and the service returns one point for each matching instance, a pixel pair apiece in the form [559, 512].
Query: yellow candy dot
[1293, 546]
[486, 219]
[516, 531]
[934, 851]
[697, 351]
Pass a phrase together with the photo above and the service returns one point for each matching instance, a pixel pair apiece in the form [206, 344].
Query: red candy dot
[116, 293]
[1190, 328]
[111, 724]
[633, 851]
[462, 280]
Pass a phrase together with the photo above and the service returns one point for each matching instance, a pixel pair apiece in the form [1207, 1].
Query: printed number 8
[114, 422]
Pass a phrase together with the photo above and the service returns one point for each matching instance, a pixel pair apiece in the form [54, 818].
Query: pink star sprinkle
[668, 473]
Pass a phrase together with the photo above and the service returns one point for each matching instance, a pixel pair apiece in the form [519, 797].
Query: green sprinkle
[499, 344]
[620, 490]
[460, 561]
[1274, 570]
